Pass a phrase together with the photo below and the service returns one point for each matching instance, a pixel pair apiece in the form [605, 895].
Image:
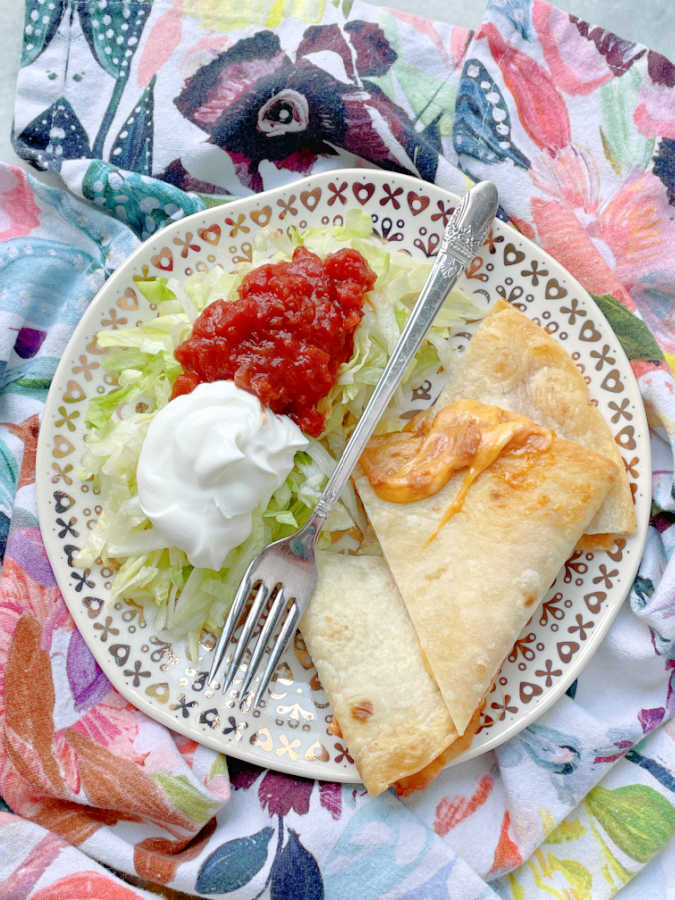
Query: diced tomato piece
[286, 335]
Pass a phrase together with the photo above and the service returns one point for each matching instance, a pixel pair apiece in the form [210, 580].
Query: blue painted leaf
[664, 166]
[295, 873]
[54, 135]
[518, 14]
[9, 475]
[482, 122]
[150, 203]
[234, 864]
[425, 149]
[643, 589]
[113, 29]
[436, 886]
[42, 20]
[551, 749]
[4, 532]
[133, 145]
[661, 773]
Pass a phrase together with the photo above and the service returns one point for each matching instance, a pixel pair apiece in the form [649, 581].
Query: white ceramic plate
[290, 733]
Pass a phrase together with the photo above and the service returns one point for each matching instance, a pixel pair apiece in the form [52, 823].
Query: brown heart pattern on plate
[163, 260]
[128, 300]
[512, 255]
[553, 290]
[211, 234]
[310, 199]
[417, 203]
[261, 217]
[363, 192]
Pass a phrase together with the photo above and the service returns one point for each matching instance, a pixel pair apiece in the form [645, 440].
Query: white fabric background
[654, 25]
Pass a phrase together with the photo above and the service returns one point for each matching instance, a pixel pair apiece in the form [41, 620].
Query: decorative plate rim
[245, 750]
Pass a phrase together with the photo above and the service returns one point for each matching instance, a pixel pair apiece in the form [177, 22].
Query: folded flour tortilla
[470, 589]
[362, 642]
[513, 363]
[406, 661]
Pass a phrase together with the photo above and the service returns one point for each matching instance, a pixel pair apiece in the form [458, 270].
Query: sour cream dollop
[208, 460]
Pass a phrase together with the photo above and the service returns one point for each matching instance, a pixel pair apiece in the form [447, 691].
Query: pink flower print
[219, 785]
[113, 723]
[160, 43]
[649, 719]
[17, 792]
[31, 567]
[571, 175]
[187, 748]
[19, 213]
[330, 797]
[541, 109]
[67, 759]
[636, 225]
[562, 235]
[623, 245]
[575, 63]
[655, 112]
[281, 793]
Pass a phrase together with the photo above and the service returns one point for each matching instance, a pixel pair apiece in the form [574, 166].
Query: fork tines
[261, 594]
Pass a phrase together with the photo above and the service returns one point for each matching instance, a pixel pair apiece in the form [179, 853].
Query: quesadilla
[476, 505]
[474, 557]
[513, 363]
[390, 711]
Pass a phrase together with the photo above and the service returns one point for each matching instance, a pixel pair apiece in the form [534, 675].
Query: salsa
[286, 335]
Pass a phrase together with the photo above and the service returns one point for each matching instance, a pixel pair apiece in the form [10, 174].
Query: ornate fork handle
[465, 232]
[287, 569]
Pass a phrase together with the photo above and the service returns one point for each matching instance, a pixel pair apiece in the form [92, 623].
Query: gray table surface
[651, 22]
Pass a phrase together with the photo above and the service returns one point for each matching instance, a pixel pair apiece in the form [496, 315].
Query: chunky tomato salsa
[285, 336]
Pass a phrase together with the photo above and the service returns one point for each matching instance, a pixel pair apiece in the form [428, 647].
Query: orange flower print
[615, 246]
[637, 226]
[87, 885]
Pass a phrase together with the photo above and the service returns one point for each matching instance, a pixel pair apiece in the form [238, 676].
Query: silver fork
[286, 569]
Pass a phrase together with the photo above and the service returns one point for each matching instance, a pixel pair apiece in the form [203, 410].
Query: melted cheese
[417, 462]
[420, 780]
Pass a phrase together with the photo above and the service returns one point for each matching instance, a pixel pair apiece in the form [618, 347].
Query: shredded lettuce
[188, 599]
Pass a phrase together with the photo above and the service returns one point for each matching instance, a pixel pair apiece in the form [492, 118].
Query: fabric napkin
[148, 111]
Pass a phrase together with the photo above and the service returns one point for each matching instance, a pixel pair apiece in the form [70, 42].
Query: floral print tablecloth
[152, 110]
